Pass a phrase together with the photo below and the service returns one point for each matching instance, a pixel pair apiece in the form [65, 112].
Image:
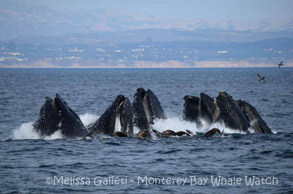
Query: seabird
[261, 78]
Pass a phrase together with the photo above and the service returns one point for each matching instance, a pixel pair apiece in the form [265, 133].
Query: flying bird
[280, 64]
[261, 78]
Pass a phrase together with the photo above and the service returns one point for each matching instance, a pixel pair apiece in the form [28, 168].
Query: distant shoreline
[144, 67]
[147, 65]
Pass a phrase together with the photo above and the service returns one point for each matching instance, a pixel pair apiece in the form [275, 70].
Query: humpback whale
[119, 112]
[55, 115]
[253, 117]
[229, 112]
[207, 108]
[191, 109]
[146, 108]
[235, 114]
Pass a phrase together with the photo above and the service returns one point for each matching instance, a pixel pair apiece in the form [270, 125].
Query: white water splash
[176, 124]
[135, 130]
[26, 131]
[88, 118]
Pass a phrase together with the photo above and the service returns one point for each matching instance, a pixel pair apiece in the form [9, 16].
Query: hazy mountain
[153, 35]
[23, 18]
[36, 34]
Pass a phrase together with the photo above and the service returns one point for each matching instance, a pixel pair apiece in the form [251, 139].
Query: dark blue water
[29, 164]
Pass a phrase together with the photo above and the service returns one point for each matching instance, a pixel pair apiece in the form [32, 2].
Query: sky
[61, 17]
[186, 9]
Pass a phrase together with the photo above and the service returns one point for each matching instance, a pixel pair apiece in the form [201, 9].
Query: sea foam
[27, 131]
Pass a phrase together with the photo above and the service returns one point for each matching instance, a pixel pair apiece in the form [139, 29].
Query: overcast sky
[186, 9]
[60, 17]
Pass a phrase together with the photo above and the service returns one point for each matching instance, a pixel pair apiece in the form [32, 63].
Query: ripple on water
[285, 154]
[113, 143]
[266, 152]
[168, 151]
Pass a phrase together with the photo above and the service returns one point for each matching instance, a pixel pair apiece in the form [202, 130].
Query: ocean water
[239, 163]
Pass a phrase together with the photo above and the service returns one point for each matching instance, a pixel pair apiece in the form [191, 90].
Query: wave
[88, 118]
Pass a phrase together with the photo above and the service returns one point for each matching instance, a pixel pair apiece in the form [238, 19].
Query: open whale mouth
[117, 123]
[119, 112]
[120, 103]
[207, 107]
[145, 103]
[146, 107]
[123, 115]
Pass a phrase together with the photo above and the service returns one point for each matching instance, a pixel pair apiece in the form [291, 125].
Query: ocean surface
[239, 163]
